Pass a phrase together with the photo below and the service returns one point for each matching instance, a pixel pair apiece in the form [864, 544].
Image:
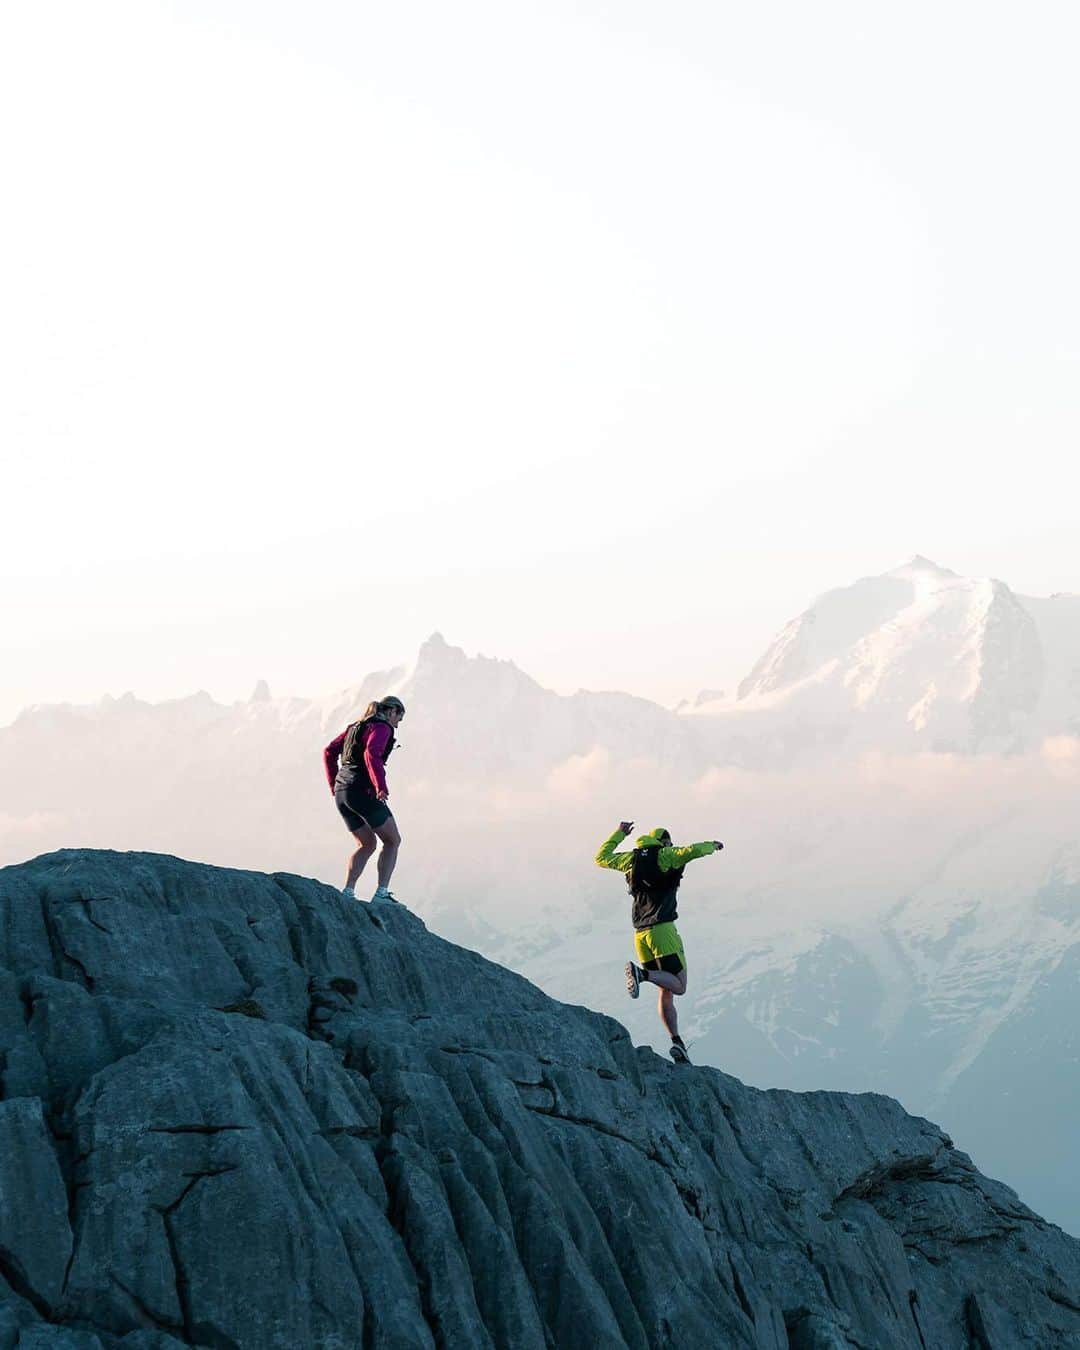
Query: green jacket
[667, 858]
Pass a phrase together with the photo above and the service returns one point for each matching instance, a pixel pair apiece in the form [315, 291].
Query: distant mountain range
[898, 781]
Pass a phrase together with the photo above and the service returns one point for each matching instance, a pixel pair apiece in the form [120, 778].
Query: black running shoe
[678, 1053]
[633, 979]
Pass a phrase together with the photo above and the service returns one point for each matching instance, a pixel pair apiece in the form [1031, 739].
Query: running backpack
[646, 881]
[352, 752]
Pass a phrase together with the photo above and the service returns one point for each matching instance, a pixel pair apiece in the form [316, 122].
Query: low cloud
[808, 844]
[580, 776]
[1062, 749]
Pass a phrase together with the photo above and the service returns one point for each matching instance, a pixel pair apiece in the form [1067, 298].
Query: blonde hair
[378, 706]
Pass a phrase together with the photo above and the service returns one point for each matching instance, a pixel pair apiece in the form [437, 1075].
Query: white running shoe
[633, 979]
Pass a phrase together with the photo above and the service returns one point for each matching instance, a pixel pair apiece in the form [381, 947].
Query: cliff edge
[238, 1111]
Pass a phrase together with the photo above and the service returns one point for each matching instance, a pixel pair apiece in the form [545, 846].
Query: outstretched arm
[679, 857]
[608, 857]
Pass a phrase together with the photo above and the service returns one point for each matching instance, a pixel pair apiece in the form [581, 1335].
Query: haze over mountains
[897, 781]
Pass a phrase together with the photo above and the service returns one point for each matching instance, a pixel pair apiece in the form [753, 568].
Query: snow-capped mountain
[962, 1001]
[918, 658]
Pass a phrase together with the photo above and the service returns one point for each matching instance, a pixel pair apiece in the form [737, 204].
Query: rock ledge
[240, 1112]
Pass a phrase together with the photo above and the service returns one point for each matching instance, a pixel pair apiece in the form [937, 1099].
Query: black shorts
[671, 963]
[360, 808]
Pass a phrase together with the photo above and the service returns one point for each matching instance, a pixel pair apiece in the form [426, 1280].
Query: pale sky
[599, 336]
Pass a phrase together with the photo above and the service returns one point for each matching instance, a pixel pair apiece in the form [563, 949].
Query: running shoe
[678, 1053]
[633, 979]
[382, 893]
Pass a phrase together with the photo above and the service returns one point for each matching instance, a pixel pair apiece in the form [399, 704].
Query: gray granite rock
[240, 1111]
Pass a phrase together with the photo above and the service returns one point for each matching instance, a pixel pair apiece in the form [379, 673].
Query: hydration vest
[653, 890]
[352, 752]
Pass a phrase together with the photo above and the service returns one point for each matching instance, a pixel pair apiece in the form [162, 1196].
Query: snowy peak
[919, 568]
[924, 658]
[828, 631]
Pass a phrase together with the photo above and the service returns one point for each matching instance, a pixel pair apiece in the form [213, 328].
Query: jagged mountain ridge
[142, 772]
[916, 659]
[240, 1111]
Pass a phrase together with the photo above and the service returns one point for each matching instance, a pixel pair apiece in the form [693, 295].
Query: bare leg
[365, 837]
[670, 986]
[391, 842]
[666, 1008]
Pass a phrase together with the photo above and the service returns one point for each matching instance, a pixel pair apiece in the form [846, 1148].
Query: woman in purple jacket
[355, 765]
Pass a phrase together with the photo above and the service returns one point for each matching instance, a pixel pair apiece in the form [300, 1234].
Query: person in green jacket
[653, 871]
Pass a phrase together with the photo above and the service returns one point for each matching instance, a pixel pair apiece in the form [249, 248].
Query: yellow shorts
[661, 940]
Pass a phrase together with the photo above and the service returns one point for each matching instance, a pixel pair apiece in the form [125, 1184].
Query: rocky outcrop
[240, 1111]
